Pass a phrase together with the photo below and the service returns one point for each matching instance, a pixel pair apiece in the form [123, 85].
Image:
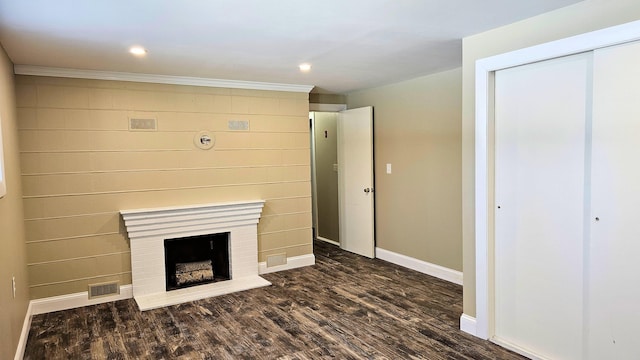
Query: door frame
[313, 109]
[484, 152]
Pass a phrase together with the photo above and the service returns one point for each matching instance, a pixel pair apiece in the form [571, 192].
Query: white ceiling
[351, 44]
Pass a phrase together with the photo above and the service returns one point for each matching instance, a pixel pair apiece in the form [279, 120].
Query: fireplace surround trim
[148, 228]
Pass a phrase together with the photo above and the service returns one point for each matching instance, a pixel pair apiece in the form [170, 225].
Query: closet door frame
[485, 159]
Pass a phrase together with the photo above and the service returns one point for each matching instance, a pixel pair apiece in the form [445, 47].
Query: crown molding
[156, 79]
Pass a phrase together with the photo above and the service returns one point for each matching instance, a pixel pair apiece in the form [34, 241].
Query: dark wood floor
[345, 307]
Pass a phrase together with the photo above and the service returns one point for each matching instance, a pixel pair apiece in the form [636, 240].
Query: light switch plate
[388, 168]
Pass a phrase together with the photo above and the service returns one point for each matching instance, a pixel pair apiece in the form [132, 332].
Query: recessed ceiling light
[138, 51]
[305, 67]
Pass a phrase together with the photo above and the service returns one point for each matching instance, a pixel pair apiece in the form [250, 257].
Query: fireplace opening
[196, 260]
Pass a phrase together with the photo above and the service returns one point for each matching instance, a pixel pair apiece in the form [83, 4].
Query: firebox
[196, 260]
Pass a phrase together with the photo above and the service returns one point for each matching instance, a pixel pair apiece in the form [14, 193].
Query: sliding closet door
[614, 271]
[541, 135]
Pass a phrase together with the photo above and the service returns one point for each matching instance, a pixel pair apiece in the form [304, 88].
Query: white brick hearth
[148, 228]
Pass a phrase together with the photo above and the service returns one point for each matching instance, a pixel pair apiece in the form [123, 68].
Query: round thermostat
[204, 140]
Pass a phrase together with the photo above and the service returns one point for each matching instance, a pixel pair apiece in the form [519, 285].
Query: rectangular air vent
[277, 259]
[104, 289]
[238, 124]
[140, 124]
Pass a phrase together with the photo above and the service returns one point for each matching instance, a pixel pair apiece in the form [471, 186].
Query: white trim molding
[63, 302]
[156, 79]
[149, 228]
[72, 301]
[424, 267]
[293, 262]
[485, 69]
[24, 335]
[468, 324]
[332, 242]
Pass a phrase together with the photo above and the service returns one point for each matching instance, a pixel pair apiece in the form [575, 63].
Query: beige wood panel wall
[81, 164]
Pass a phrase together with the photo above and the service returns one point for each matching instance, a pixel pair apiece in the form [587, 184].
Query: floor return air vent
[103, 289]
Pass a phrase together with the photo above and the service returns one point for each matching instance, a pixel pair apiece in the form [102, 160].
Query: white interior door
[614, 271]
[355, 180]
[541, 138]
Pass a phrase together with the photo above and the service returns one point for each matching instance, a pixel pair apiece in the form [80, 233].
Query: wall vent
[139, 124]
[104, 289]
[242, 125]
[277, 259]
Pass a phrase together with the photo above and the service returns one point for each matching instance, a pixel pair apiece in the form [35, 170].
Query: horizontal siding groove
[289, 213]
[163, 169]
[280, 148]
[160, 189]
[284, 247]
[102, 151]
[288, 197]
[80, 279]
[78, 258]
[283, 231]
[72, 237]
[165, 131]
[152, 150]
[118, 213]
[73, 216]
[143, 112]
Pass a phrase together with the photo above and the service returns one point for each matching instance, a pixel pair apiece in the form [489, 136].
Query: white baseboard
[424, 267]
[24, 335]
[62, 302]
[328, 241]
[71, 301]
[468, 324]
[292, 263]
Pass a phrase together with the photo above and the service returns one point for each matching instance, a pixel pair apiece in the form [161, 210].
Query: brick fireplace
[149, 228]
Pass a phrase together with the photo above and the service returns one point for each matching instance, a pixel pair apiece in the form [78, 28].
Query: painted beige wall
[81, 165]
[326, 177]
[417, 130]
[576, 19]
[13, 257]
[327, 99]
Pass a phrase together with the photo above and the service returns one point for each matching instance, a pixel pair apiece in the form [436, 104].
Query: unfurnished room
[255, 179]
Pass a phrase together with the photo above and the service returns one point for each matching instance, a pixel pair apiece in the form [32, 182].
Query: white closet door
[540, 191]
[614, 294]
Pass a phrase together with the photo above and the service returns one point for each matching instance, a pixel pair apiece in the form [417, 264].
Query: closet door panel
[539, 236]
[613, 315]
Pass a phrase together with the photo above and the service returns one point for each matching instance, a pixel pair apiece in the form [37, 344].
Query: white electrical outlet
[388, 168]
[13, 286]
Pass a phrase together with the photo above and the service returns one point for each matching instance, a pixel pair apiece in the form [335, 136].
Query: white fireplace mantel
[148, 228]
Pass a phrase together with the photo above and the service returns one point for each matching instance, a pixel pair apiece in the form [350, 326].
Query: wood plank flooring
[344, 307]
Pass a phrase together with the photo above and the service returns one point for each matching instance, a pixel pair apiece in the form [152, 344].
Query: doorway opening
[342, 179]
[324, 171]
